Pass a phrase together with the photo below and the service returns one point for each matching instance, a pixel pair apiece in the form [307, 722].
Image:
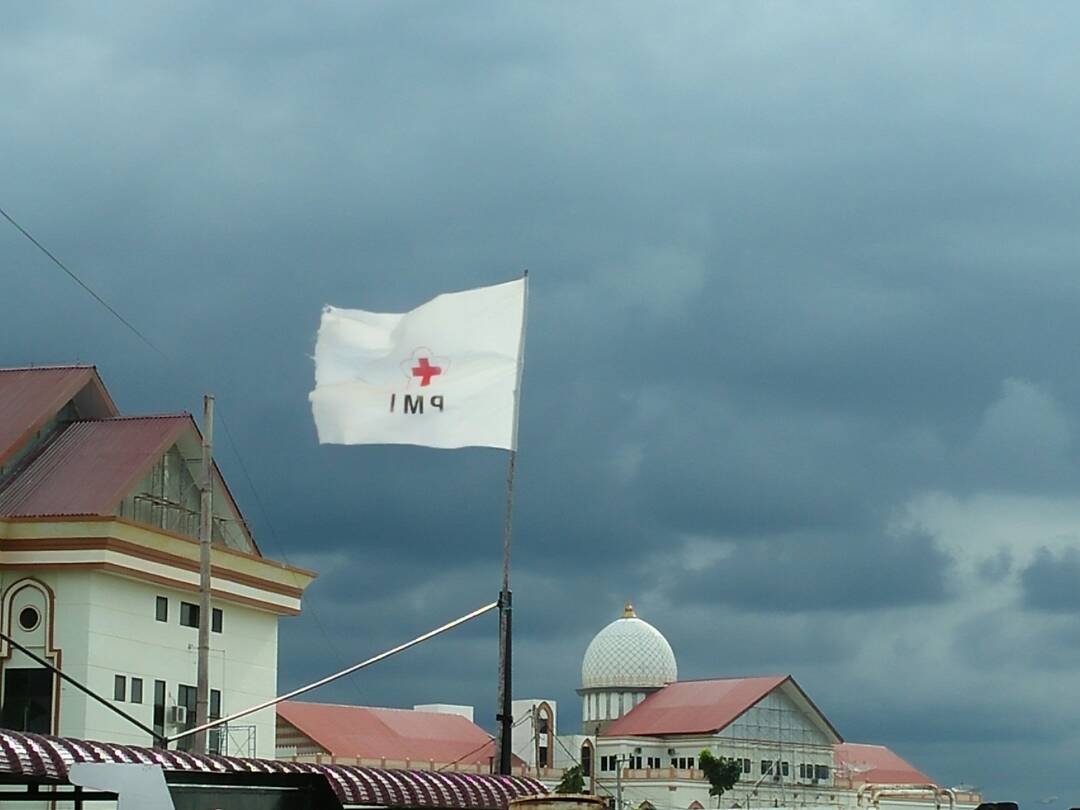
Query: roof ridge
[46, 367]
[135, 417]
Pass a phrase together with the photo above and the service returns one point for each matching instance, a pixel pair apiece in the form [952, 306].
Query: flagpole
[503, 742]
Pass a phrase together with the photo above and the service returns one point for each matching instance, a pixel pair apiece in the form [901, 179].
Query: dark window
[690, 762]
[746, 765]
[186, 697]
[215, 736]
[766, 766]
[542, 759]
[28, 700]
[159, 707]
[216, 619]
[29, 618]
[674, 762]
[136, 690]
[161, 609]
[189, 614]
[586, 760]
[784, 769]
[120, 688]
[821, 771]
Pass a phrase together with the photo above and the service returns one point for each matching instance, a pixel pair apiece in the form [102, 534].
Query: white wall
[105, 626]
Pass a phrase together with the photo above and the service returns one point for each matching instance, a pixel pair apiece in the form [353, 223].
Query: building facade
[643, 732]
[99, 572]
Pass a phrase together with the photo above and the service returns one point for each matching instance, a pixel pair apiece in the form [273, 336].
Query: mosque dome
[629, 652]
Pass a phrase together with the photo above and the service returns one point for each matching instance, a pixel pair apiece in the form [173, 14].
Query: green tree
[573, 781]
[721, 772]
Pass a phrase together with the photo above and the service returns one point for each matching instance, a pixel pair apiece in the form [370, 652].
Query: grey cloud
[1050, 581]
[793, 574]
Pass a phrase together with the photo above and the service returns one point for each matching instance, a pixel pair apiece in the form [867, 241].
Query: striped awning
[37, 757]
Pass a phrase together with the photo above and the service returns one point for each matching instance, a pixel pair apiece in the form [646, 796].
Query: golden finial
[628, 611]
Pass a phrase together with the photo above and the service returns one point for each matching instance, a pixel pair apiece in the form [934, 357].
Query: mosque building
[643, 731]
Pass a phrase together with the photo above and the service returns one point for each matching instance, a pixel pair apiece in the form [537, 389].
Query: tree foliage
[721, 772]
[573, 781]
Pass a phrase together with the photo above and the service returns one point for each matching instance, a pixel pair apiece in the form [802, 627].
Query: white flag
[445, 374]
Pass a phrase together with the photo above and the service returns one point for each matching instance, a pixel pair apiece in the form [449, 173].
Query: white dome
[628, 652]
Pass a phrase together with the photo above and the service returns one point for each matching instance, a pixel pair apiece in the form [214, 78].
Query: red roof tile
[33, 758]
[89, 467]
[693, 707]
[397, 734]
[30, 397]
[875, 764]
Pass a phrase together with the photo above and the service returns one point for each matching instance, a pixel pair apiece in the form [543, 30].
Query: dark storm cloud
[791, 268]
[1050, 581]
[811, 573]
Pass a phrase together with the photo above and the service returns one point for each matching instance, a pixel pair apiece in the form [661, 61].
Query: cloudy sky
[800, 371]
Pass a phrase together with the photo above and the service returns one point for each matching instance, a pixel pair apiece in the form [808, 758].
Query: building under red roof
[875, 764]
[375, 733]
[708, 706]
[31, 398]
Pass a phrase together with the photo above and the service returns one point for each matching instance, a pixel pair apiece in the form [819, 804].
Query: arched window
[587, 759]
[544, 717]
[30, 690]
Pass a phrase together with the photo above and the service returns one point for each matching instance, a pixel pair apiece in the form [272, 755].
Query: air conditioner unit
[178, 715]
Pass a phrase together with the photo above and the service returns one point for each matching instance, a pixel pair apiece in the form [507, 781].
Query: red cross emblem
[425, 371]
[424, 366]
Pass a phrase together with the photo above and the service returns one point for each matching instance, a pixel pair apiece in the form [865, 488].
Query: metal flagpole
[504, 716]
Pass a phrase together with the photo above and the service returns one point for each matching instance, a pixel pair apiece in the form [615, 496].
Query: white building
[643, 732]
[99, 565]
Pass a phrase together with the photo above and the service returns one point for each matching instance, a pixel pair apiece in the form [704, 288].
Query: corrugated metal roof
[39, 757]
[875, 764]
[30, 397]
[397, 734]
[90, 466]
[693, 707]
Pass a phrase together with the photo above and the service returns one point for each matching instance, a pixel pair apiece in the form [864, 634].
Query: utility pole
[206, 532]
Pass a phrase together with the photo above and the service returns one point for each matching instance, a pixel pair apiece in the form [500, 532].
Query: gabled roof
[397, 734]
[875, 764]
[89, 467]
[30, 397]
[706, 707]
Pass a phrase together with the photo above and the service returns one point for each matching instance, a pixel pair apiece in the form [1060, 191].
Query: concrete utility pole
[206, 532]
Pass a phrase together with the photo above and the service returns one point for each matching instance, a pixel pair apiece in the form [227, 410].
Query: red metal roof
[34, 756]
[693, 707]
[30, 397]
[90, 466]
[875, 764]
[397, 734]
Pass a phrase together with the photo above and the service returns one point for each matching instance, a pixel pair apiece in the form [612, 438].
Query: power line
[172, 362]
[84, 285]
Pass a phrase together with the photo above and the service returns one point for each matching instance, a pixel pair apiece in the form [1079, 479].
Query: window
[136, 690]
[784, 769]
[690, 763]
[586, 760]
[185, 696]
[746, 765]
[189, 614]
[215, 736]
[674, 762]
[159, 708]
[542, 758]
[766, 766]
[821, 771]
[161, 609]
[120, 688]
[215, 620]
